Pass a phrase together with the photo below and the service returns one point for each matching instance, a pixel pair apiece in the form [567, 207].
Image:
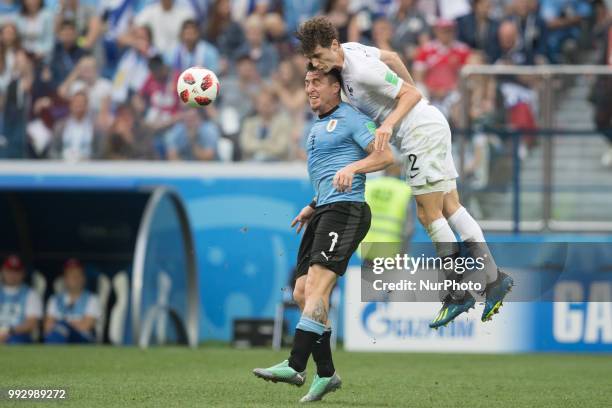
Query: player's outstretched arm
[394, 61]
[375, 161]
[407, 98]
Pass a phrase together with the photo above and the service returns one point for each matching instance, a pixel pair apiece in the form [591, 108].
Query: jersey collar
[326, 114]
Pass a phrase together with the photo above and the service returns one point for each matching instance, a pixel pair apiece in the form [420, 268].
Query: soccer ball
[197, 86]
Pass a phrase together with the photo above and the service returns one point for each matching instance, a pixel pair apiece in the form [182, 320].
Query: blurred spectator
[501, 8]
[288, 84]
[72, 314]
[76, 11]
[265, 136]
[127, 138]
[241, 9]
[438, 63]
[513, 51]
[411, 29]
[199, 9]
[133, 68]
[66, 53]
[17, 105]
[296, 12]
[518, 96]
[601, 95]
[445, 9]
[85, 77]
[532, 30]
[10, 43]
[159, 95]
[35, 24]
[339, 14]
[276, 33]
[258, 48]
[20, 306]
[193, 138]
[75, 137]
[222, 30]
[192, 51]
[8, 11]
[239, 92]
[564, 19]
[382, 34]
[479, 31]
[112, 23]
[166, 18]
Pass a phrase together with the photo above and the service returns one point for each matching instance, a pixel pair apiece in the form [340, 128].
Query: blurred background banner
[244, 251]
[240, 220]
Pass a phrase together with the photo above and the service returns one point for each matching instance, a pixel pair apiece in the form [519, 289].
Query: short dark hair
[190, 23]
[156, 63]
[68, 23]
[316, 31]
[333, 75]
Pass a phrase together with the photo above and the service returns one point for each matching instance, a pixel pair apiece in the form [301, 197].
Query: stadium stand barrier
[541, 170]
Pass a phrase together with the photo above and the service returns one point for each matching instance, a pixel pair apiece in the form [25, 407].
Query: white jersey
[423, 135]
[368, 83]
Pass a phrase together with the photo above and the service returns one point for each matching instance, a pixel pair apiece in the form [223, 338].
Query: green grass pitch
[99, 376]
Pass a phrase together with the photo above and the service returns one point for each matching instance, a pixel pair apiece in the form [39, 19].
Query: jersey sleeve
[52, 309]
[363, 130]
[377, 76]
[93, 307]
[33, 306]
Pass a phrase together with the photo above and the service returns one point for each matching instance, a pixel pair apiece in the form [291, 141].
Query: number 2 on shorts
[334, 240]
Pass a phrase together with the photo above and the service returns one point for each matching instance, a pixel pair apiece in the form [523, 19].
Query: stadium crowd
[95, 79]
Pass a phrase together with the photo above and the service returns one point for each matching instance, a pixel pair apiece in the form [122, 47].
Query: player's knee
[299, 296]
[428, 215]
[451, 205]
[319, 281]
[421, 215]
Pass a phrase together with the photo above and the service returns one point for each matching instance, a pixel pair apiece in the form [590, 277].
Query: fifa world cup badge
[331, 125]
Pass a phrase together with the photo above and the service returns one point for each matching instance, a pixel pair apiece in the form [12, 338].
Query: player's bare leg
[312, 293]
[320, 282]
[430, 208]
[282, 372]
[299, 292]
[498, 284]
[321, 352]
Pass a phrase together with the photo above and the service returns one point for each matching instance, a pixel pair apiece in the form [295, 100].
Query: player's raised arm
[375, 161]
[407, 98]
[381, 79]
[394, 61]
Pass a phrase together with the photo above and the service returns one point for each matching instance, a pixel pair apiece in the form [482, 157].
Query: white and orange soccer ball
[198, 86]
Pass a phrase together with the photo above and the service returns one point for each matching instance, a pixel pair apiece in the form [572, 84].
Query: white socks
[443, 238]
[471, 234]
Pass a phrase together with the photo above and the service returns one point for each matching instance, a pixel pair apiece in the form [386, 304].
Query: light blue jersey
[75, 311]
[336, 140]
[13, 306]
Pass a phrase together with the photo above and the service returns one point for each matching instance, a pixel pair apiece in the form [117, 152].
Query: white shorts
[424, 140]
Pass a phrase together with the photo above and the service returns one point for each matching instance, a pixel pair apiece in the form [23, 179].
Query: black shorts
[332, 235]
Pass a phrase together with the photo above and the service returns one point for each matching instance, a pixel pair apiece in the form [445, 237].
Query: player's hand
[302, 218]
[343, 180]
[382, 137]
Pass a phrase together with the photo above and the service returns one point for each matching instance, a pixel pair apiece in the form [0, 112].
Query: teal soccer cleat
[495, 294]
[321, 386]
[281, 373]
[452, 308]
